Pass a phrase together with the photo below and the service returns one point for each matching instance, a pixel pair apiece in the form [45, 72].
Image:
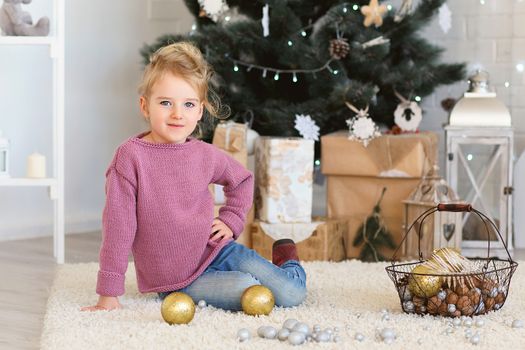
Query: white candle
[36, 166]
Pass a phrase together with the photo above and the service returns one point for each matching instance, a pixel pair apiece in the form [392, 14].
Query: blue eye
[165, 103]
[189, 104]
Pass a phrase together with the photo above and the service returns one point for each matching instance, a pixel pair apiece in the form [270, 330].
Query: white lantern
[479, 166]
[441, 229]
[4, 156]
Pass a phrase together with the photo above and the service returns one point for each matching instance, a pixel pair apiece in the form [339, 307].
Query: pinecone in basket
[474, 296]
[489, 304]
[433, 305]
[443, 309]
[339, 48]
[500, 298]
[452, 298]
[464, 305]
[461, 289]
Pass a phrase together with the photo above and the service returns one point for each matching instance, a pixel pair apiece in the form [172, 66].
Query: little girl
[158, 205]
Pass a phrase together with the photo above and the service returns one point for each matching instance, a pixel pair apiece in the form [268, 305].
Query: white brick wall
[490, 36]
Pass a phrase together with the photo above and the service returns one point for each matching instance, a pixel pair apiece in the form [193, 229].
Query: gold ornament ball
[424, 286]
[178, 308]
[257, 300]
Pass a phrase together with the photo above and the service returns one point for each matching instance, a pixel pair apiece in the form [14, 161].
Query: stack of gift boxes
[355, 177]
[283, 201]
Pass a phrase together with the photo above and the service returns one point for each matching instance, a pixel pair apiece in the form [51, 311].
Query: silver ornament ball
[408, 306]
[323, 337]
[359, 337]
[243, 334]
[451, 308]
[290, 323]
[301, 327]
[283, 334]
[296, 338]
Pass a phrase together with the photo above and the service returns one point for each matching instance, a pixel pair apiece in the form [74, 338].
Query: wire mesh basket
[460, 286]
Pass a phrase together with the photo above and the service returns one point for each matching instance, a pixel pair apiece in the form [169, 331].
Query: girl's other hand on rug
[104, 303]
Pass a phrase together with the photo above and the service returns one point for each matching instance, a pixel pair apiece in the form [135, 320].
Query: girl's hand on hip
[104, 303]
[220, 231]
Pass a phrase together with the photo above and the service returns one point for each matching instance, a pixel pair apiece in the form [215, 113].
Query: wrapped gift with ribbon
[283, 180]
[230, 137]
[356, 175]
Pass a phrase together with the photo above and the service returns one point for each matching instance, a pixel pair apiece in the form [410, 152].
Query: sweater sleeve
[119, 225]
[238, 190]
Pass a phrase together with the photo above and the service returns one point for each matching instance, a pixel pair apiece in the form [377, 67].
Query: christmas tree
[313, 57]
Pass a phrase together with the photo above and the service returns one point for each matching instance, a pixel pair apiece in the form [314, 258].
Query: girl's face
[172, 109]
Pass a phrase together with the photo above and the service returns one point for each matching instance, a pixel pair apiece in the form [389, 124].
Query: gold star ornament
[373, 13]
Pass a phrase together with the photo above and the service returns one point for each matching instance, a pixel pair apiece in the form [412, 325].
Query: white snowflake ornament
[213, 8]
[445, 18]
[408, 116]
[306, 127]
[361, 127]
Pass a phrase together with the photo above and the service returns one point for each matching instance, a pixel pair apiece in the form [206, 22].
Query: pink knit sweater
[158, 206]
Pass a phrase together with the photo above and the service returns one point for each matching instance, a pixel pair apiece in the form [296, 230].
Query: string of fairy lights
[277, 73]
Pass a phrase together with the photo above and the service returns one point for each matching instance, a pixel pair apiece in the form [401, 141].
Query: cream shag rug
[349, 295]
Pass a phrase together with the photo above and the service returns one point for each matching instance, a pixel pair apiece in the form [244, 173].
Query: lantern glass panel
[480, 182]
[3, 161]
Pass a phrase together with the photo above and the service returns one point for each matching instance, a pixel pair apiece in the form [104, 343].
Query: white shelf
[27, 40]
[55, 184]
[25, 181]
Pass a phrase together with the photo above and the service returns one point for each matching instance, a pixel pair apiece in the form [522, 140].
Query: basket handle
[452, 207]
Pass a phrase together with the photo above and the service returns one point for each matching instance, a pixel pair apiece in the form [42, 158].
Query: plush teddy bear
[15, 21]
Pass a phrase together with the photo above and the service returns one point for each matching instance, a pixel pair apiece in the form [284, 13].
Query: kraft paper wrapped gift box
[321, 239]
[231, 138]
[283, 179]
[356, 176]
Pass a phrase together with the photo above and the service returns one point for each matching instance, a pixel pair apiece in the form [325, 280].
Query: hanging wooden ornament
[407, 115]
[403, 11]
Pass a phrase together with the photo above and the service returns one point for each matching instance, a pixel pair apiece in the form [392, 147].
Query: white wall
[103, 68]
[489, 36]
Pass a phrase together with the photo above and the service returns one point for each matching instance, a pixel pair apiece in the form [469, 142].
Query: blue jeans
[236, 268]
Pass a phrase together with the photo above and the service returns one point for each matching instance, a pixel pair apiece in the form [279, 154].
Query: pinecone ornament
[339, 48]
